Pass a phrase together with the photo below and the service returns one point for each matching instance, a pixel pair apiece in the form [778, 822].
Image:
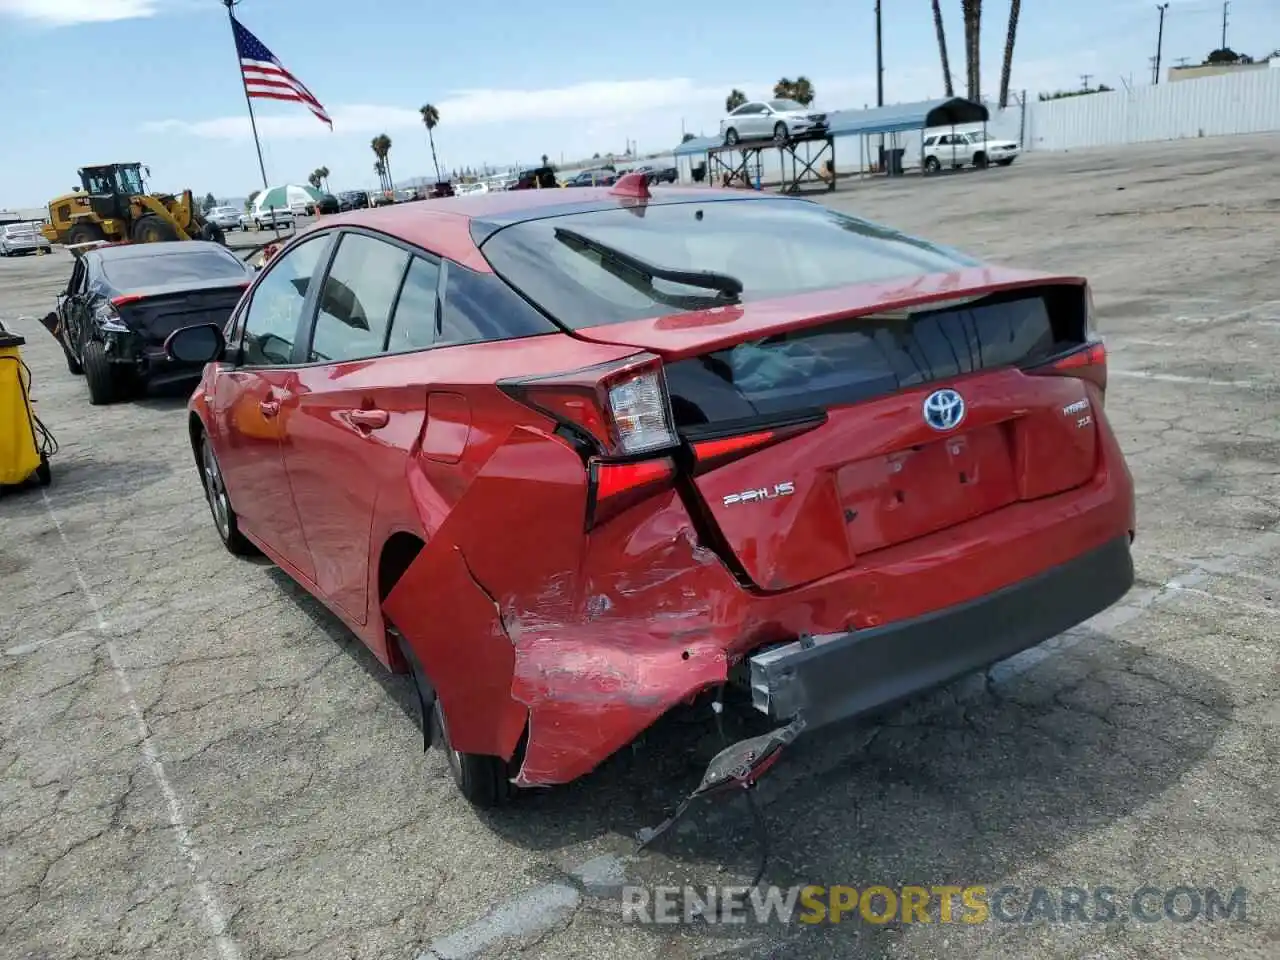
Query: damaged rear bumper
[837, 676]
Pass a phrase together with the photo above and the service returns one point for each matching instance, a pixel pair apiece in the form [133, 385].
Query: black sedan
[123, 301]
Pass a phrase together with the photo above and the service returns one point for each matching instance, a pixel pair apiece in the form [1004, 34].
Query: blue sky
[156, 80]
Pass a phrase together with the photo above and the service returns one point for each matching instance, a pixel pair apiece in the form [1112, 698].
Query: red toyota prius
[573, 459]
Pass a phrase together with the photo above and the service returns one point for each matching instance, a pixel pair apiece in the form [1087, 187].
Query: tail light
[108, 317]
[622, 412]
[1089, 361]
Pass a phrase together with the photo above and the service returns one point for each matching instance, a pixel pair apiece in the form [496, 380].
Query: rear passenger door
[354, 421]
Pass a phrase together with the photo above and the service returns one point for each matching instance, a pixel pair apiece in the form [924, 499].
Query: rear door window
[417, 311]
[355, 303]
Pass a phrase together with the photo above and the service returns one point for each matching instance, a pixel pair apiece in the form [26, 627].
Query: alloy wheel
[216, 492]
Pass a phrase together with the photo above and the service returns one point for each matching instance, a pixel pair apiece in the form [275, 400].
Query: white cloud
[584, 101]
[66, 12]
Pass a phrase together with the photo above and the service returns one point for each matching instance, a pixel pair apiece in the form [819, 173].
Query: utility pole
[879, 61]
[1225, 5]
[1085, 78]
[1162, 7]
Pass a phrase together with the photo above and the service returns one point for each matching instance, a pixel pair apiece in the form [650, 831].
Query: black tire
[213, 233]
[931, 165]
[225, 519]
[780, 134]
[85, 233]
[104, 381]
[730, 137]
[483, 781]
[980, 161]
[151, 228]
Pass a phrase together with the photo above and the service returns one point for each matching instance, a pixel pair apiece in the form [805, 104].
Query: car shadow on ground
[965, 783]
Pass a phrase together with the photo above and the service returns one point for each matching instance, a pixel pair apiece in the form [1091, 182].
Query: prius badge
[943, 409]
[784, 489]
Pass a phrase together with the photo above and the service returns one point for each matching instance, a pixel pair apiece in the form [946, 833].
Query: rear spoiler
[78, 250]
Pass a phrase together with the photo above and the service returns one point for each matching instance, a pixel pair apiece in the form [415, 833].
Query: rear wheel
[213, 233]
[99, 373]
[730, 137]
[931, 165]
[85, 233]
[151, 228]
[779, 132]
[225, 520]
[483, 780]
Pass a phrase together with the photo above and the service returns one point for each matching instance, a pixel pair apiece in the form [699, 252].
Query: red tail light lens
[125, 299]
[1087, 363]
[622, 407]
[709, 454]
[614, 487]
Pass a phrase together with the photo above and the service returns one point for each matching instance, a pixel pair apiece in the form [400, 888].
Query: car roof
[137, 251]
[444, 225]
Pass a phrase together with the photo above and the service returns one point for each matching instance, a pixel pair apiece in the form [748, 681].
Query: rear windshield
[132, 273]
[774, 247]
[858, 359]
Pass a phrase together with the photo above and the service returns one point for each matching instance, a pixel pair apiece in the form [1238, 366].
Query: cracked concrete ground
[197, 762]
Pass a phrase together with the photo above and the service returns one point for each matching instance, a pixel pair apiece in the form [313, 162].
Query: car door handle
[269, 408]
[369, 419]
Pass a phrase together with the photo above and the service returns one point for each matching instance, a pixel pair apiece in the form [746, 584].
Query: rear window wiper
[618, 262]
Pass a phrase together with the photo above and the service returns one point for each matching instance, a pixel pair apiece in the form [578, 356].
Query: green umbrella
[281, 197]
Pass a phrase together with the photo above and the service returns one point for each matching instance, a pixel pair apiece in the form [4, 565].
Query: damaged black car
[124, 300]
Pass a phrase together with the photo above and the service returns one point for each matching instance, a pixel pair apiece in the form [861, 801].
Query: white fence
[1247, 102]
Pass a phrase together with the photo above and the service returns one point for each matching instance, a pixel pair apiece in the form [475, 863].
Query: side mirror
[199, 344]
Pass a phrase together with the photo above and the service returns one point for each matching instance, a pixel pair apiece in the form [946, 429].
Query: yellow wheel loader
[113, 204]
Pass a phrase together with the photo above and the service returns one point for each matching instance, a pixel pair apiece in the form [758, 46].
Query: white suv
[974, 148]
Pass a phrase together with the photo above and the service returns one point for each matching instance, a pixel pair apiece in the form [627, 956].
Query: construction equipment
[25, 443]
[112, 203]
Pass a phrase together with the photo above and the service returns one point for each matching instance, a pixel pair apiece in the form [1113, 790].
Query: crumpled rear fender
[520, 619]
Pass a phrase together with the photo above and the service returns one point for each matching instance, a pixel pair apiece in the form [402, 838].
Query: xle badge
[784, 489]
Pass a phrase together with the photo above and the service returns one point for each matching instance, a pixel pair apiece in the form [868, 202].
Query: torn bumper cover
[830, 678]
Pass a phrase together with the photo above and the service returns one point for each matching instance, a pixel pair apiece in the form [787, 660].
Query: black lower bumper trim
[835, 677]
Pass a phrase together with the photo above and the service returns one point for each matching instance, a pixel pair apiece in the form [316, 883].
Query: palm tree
[1015, 7]
[942, 48]
[972, 44]
[800, 90]
[734, 100]
[430, 119]
[381, 170]
[381, 145]
[314, 178]
[324, 177]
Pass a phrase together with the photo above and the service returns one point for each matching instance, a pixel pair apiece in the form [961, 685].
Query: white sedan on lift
[779, 120]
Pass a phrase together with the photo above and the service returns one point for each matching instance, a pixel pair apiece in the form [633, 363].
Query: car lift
[742, 163]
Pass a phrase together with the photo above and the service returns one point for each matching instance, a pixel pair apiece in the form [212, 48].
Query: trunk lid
[155, 313]
[871, 462]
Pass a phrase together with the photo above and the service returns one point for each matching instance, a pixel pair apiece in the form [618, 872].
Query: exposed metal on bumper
[836, 676]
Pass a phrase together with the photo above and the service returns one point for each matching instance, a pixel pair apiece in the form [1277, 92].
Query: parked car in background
[328, 204]
[538, 177]
[228, 218]
[779, 120]
[353, 200]
[968, 148]
[635, 455]
[123, 301]
[593, 178]
[658, 173]
[468, 189]
[22, 237]
[265, 218]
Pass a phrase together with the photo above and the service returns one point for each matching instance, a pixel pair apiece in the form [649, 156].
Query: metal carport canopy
[898, 118]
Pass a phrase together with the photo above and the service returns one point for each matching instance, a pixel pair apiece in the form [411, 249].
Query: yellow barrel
[19, 456]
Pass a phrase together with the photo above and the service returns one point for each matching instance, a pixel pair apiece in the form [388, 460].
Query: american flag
[266, 78]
